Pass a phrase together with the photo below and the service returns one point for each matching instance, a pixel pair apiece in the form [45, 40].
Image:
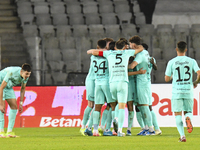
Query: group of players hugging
[119, 75]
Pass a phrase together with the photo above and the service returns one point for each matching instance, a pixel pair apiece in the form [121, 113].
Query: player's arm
[153, 63]
[2, 107]
[168, 78]
[22, 92]
[94, 51]
[197, 80]
[137, 72]
[132, 65]
[139, 49]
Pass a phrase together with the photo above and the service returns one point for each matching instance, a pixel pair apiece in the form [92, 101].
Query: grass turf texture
[70, 138]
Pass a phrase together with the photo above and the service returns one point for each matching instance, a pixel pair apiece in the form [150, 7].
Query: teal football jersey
[101, 70]
[118, 64]
[12, 76]
[181, 69]
[91, 74]
[143, 61]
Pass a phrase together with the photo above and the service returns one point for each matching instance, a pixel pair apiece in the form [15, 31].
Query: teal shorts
[182, 104]
[102, 94]
[119, 91]
[143, 93]
[90, 87]
[8, 93]
[131, 90]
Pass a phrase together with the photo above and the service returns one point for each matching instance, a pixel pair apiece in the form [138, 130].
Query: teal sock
[109, 119]
[179, 124]
[190, 115]
[121, 118]
[104, 117]
[116, 111]
[146, 114]
[86, 115]
[91, 119]
[1, 120]
[130, 118]
[96, 115]
[140, 119]
[154, 120]
[11, 118]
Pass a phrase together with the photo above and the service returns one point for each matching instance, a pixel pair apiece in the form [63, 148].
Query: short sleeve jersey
[91, 74]
[12, 76]
[101, 70]
[181, 69]
[142, 59]
[118, 64]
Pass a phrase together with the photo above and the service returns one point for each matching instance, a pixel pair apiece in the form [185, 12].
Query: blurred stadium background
[53, 35]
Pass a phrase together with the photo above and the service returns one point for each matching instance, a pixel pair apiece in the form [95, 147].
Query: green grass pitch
[71, 139]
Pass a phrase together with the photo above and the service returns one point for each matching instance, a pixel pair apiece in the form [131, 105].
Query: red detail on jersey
[101, 53]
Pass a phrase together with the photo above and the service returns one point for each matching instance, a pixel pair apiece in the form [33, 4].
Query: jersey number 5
[120, 59]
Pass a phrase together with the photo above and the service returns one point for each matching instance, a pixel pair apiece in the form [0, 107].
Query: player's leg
[122, 95]
[11, 117]
[107, 131]
[2, 133]
[131, 95]
[111, 103]
[143, 105]
[130, 117]
[104, 118]
[140, 121]
[113, 107]
[90, 86]
[12, 102]
[88, 130]
[155, 121]
[179, 125]
[177, 107]
[96, 118]
[188, 107]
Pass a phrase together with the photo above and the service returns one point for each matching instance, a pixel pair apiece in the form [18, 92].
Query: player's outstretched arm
[139, 49]
[2, 106]
[22, 92]
[197, 80]
[137, 72]
[168, 78]
[153, 63]
[94, 51]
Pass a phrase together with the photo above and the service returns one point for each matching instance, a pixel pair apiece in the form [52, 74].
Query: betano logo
[62, 122]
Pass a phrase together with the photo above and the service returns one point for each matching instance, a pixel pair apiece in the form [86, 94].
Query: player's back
[118, 64]
[101, 70]
[182, 68]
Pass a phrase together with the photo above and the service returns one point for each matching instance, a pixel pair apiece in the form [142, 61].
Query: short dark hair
[136, 39]
[181, 45]
[101, 43]
[112, 45]
[26, 67]
[120, 44]
[145, 46]
[125, 40]
[108, 40]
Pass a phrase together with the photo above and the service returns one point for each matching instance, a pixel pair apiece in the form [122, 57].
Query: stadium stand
[74, 26]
